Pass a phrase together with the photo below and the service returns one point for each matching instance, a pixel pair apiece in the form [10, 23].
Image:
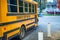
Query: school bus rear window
[12, 6]
[14, 2]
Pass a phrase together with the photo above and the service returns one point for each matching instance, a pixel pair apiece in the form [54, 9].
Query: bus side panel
[0, 10]
[1, 32]
[0, 21]
[3, 10]
[5, 18]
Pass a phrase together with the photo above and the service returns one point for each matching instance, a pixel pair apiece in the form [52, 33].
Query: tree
[42, 4]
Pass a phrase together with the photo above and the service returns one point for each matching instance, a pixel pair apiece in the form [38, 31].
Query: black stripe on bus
[2, 24]
[11, 30]
[14, 14]
[30, 23]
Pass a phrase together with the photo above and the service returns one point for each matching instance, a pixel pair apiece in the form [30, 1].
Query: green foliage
[42, 4]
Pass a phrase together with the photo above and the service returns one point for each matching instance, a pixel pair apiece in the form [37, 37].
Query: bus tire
[22, 32]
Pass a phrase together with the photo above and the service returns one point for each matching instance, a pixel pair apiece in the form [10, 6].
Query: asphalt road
[42, 27]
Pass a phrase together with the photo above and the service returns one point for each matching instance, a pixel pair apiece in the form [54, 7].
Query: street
[42, 27]
[26, 19]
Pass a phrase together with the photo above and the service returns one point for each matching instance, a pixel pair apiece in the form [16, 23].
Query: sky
[49, 0]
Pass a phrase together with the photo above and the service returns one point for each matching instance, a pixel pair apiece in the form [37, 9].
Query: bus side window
[29, 7]
[32, 8]
[26, 7]
[20, 6]
[12, 5]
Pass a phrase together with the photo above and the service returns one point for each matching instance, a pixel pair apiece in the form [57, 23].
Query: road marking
[40, 35]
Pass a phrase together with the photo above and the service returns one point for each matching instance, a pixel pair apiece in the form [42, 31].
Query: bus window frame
[21, 6]
[35, 10]
[32, 8]
[26, 7]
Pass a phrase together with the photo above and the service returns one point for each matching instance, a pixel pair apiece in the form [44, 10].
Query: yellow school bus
[16, 17]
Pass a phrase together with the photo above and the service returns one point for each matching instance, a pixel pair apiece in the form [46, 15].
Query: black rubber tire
[22, 32]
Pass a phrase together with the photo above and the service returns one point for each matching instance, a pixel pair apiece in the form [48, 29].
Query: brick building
[58, 4]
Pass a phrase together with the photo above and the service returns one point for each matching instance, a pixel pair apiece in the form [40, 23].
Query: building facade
[58, 4]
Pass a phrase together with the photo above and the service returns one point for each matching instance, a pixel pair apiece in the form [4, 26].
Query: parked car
[51, 11]
[57, 11]
[40, 15]
[45, 10]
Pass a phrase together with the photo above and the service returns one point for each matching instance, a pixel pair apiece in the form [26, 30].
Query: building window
[20, 6]
[12, 6]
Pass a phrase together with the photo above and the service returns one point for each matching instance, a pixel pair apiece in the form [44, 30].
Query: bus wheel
[22, 32]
